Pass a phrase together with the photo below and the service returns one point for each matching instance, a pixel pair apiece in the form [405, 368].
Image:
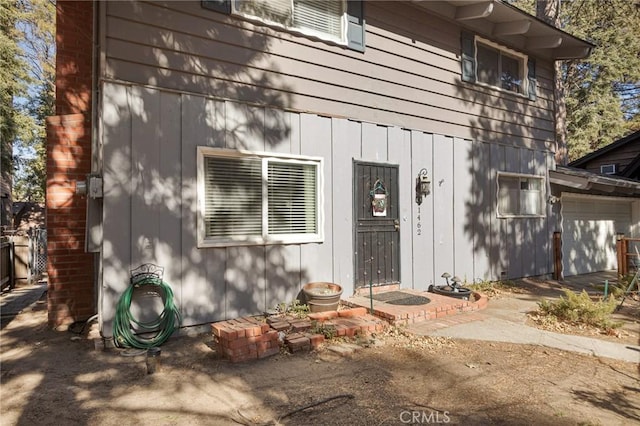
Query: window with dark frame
[496, 68]
[488, 63]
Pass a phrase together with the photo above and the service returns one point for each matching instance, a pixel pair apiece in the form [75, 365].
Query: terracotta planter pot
[321, 296]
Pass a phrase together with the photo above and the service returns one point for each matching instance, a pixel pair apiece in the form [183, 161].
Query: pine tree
[602, 92]
[604, 100]
[13, 81]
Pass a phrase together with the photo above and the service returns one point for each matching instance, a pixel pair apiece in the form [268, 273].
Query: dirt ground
[52, 377]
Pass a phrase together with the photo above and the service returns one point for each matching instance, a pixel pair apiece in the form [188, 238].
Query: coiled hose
[163, 326]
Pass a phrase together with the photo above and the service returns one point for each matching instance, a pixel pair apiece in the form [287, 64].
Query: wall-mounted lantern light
[423, 185]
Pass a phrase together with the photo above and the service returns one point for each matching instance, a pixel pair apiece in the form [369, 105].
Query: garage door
[589, 227]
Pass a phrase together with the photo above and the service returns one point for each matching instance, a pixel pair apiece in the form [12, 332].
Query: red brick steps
[248, 338]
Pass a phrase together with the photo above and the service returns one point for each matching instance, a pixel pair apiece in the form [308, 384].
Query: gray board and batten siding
[176, 76]
[150, 138]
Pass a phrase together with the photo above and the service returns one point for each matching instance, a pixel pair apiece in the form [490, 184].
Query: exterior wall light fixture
[423, 185]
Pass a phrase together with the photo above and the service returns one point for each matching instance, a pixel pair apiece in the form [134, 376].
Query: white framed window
[257, 198]
[521, 195]
[608, 169]
[318, 18]
[500, 67]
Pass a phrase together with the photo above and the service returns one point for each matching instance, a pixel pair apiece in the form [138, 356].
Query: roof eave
[511, 26]
[578, 179]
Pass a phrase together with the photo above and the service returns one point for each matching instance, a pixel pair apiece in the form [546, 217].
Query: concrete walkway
[14, 301]
[504, 321]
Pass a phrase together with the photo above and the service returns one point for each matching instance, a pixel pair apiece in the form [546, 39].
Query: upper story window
[324, 19]
[499, 68]
[249, 198]
[489, 63]
[336, 21]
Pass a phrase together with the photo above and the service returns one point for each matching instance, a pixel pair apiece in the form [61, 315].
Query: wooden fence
[21, 257]
[7, 273]
[628, 252]
[557, 255]
[15, 260]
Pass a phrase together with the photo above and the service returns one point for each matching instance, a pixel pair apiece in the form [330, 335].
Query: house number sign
[379, 199]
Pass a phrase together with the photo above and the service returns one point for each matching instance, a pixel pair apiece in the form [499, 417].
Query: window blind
[335, 20]
[233, 194]
[322, 16]
[279, 11]
[292, 189]
[254, 198]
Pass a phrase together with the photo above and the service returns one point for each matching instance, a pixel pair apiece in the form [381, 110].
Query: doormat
[400, 298]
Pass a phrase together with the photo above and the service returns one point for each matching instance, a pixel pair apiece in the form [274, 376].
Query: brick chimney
[70, 269]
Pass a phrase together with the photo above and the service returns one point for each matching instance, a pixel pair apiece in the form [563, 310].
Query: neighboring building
[27, 215]
[600, 198]
[620, 158]
[5, 203]
[251, 147]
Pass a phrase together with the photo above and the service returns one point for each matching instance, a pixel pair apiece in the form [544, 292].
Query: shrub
[581, 309]
[295, 308]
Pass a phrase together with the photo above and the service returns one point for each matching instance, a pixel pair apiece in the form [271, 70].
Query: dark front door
[377, 228]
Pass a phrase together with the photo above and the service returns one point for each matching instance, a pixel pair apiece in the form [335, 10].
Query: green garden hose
[163, 326]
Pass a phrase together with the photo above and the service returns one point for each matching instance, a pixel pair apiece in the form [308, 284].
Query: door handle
[396, 224]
